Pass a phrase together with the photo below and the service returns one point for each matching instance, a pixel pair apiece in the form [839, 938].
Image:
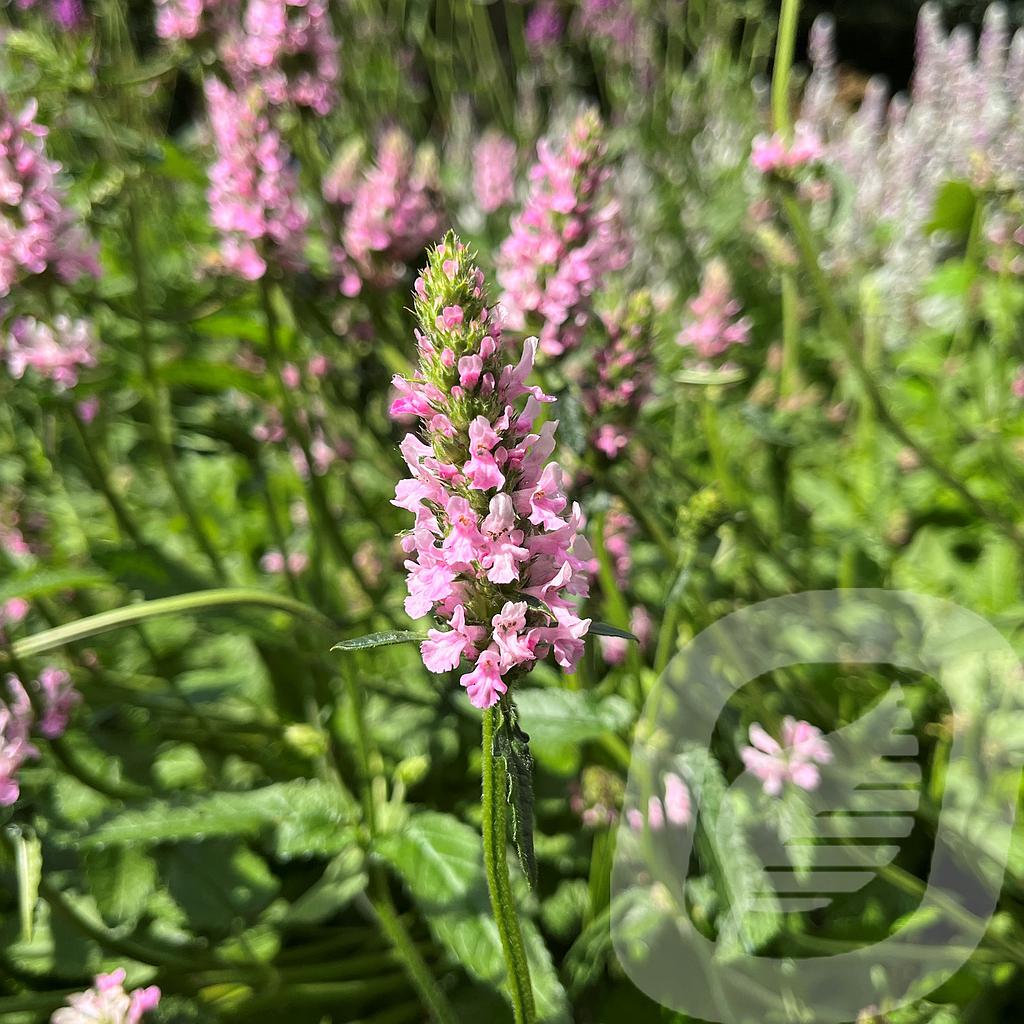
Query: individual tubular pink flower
[495, 553]
[616, 383]
[565, 241]
[494, 171]
[107, 1002]
[287, 49]
[253, 191]
[38, 231]
[716, 324]
[395, 212]
[56, 353]
[795, 760]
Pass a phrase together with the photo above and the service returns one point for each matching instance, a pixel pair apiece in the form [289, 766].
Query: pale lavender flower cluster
[253, 191]
[716, 323]
[38, 232]
[494, 171]
[58, 698]
[962, 120]
[795, 759]
[286, 48]
[107, 1002]
[564, 242]
[54, 352]
[394, 212]
[496, 552]
[610, 21]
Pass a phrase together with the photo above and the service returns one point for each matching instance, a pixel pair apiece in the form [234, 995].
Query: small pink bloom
[482, 469]
[794, 760]
[450, 318]
[677, 800]
[443, 649]
[484, 684]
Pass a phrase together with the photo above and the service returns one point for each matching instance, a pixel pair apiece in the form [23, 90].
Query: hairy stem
[498, 883]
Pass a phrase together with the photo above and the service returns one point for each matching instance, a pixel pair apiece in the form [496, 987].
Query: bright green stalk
[132, 614]
[789, 374]
[784, 46]
[498, 884]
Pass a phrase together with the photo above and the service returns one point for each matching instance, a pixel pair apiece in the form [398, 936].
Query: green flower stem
[498, 884]
[131, 614]
[416, 967]
[789, 373]
[838, 325]
[784, 46]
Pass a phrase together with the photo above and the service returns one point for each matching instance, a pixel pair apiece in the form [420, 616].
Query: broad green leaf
[362, 643]
[41, 582]
[571, 716]
[217, 883]
[440, 859]
[343, 879]
[954, 209]
[121, 880]
[296, 819]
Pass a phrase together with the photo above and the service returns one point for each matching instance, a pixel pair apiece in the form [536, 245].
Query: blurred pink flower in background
[544, 26]
[38, 231]
[107, 1002]
[772, 153]
[494, 171]
[566, 240]
[287, 49]
[395, 212]
[253, 191]
[795, 760]
[716, 324]
[56, 353]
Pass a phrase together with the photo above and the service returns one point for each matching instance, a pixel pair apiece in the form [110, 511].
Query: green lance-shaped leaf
[603, 629]
[512, 745]
[362, 643]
